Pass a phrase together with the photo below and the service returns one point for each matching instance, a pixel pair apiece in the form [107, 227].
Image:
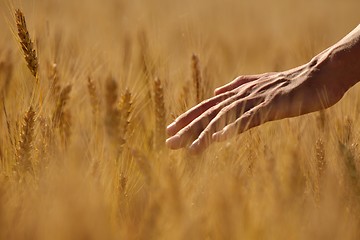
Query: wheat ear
[160, 113]
[23, 152]
[53, 76]
[61, 117]
[196, 76]
[125, 109]
[60, 106]
[320, 156]
[26, 43]
[113, 115]
[94, 100]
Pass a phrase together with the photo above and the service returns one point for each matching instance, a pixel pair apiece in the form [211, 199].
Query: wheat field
[88, 87]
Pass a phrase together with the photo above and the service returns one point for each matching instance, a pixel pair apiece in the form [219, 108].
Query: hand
[249, 101]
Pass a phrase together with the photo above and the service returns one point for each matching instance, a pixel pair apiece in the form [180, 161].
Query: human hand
[250, 101]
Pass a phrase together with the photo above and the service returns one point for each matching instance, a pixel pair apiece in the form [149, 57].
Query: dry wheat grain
[196, 76]
[94, 99]
[26, 43]
[53, 77]
[60, 106]
[113, 114]
[125, 109]
[160, 114]
[320, 156]
[25, 144]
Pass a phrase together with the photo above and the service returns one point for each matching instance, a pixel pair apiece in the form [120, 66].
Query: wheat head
[125, 109]
[160, 113]
[113, 114]
[25, 147]
[26, 43]
[196, 76]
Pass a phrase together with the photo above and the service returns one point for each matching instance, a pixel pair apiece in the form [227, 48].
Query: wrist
[324, 76]
[343, 58]
[343, 67]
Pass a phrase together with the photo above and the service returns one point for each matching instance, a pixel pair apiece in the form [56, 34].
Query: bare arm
[249, 101]
[345, 59]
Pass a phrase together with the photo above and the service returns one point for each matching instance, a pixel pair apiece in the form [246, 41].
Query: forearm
[342, 60]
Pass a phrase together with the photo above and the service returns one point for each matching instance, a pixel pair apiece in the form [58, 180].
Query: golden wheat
[196, 76]
[320, 156]
[46, 140]
[53, 76]
[113, 114]
[26, 43]
[60, 106]
[184, 98]
[125, 109]
[145, 60]
[160, 114]
[25, 144]
[6, 74]
[94, 99]
[61, 118]
[112, 178]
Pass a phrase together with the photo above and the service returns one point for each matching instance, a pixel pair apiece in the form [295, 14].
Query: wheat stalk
[23, 152]
[53, 76]
[65, 126]
[60, 106]
[184, 97]
[26, 43]
[320, 156]
[125, 109]
[146, 63]
[160, 114]
[196, 76]
[46, 140]
[113, 114]
[6, 72]
[62, 116]
[94, 100]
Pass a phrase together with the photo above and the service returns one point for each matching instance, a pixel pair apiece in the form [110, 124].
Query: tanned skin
[249, 101]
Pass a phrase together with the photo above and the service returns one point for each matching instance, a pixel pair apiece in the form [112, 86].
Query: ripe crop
[88, 87]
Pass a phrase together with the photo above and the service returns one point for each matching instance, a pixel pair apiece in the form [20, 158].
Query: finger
[192, 130]
[187, 117]
[187, 134]
[237, 82]
[272, 84]
[254, 117]
[226, 116]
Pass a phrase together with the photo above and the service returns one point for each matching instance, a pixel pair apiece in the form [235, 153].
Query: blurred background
[248, 36]
[291, 179]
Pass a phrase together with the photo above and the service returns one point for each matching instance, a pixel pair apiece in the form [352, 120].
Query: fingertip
[194, 145]
[218, 137]
[195, 148]
[173, 142]
[218, 91]
[171, 129]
